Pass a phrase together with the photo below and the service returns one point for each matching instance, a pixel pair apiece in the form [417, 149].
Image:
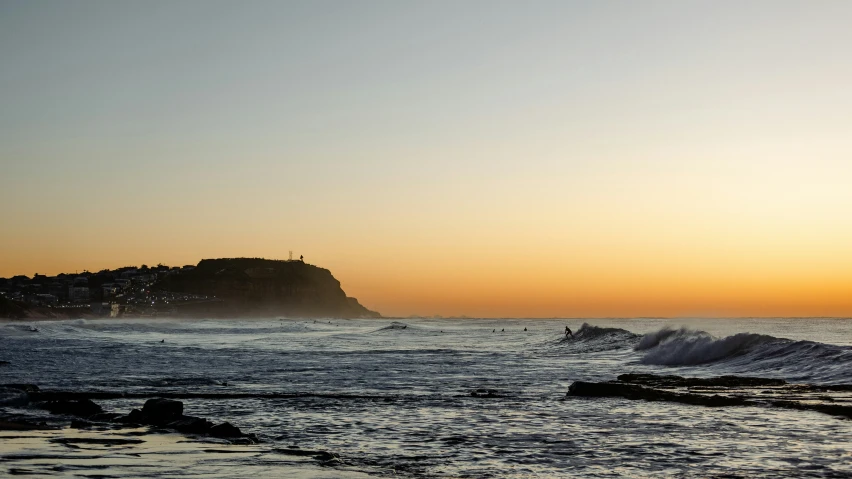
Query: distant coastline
[214, 288]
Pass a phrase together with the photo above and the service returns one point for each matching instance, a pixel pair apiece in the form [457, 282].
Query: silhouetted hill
[17, 310]
[12, 309]
[261, 287]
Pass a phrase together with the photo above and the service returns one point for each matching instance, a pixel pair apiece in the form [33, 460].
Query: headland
[214, 288]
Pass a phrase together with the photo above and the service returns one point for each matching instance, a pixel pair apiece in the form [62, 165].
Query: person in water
[525, 329]
[568, 331]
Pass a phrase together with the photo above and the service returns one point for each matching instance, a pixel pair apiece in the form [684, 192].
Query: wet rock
[245, 440]
[13, 397]
[23, 426]
[636, 392]
[79, 408]
[27, 388]
[161, 411]
[80, 424]
[225, 430]
[323, 456]
[831, 409]
[134, 417]
[657, 381]
[105, 417]
[191, 425]
[485, 393]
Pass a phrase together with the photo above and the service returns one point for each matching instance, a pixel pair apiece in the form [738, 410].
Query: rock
[79, 408]
[191, 425]
[588, 389]
[323, 456]
[161, 411]
[832, 409]
[134, 417]
[634, 392]
[679, 381]
[79, 424]
[105, 417]
[242, 441]
[225, 430]
[27, 388]
[13, 397]
[22, 426]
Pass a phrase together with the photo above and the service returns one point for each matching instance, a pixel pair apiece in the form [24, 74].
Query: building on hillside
[46, 300]
[78, 292]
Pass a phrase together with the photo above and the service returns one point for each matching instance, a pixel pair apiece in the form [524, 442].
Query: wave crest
[393, 326]
[683, 347]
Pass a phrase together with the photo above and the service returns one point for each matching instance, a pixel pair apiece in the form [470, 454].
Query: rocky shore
[77, 423]
[722, 391]
[162, 414]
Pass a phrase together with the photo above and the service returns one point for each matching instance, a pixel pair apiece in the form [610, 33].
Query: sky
[479, 158]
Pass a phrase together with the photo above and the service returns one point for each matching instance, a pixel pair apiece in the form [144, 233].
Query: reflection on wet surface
[135, 453]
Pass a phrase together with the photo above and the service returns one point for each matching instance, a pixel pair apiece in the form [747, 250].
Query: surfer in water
[568, 332]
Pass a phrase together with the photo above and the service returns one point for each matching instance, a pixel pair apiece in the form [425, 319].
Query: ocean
[393, 398]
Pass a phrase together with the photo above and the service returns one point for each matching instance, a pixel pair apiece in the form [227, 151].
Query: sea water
[393, 397]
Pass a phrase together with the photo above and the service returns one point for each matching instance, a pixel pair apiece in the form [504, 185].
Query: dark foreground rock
[631, 391]
[81, 408]
[27, 388]
[168, 414]
[723, 391]
[13, 397]
[323, 456]
[191, 425]
[162, 411]
[679, 381]
[225, 430]
[23, 426]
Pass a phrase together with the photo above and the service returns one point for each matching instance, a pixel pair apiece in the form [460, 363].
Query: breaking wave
[674, 347]
[596, 338]
[748, 353]
[393, 326]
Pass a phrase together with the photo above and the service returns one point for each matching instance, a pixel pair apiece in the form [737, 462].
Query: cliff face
[261, 287]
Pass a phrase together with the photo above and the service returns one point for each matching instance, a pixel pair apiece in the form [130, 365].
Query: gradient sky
[481, 158]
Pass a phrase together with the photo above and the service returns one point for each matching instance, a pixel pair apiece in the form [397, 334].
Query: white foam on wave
[678, 347]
